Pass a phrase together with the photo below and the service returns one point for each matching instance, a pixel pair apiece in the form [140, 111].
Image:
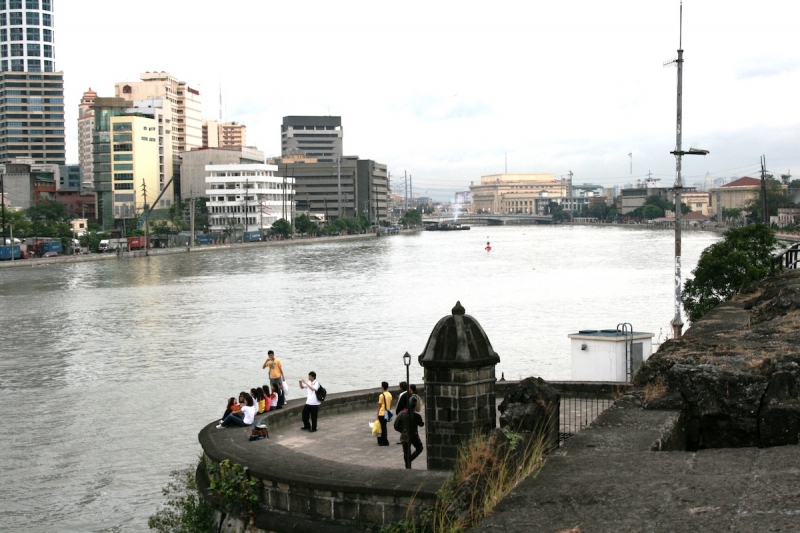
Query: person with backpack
[384, 412]
[407, 424]
[311, 408]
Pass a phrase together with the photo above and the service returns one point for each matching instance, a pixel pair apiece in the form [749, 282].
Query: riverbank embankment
[186, 249]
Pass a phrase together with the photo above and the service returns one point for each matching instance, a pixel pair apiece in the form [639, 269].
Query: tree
[412, 217]
[650, 211]
[776, 197]
[742, 257]
[19, 222]
[281, 227]
[304, 224]
[731, 214]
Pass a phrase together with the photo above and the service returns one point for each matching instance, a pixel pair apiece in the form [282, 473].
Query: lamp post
[407, 446]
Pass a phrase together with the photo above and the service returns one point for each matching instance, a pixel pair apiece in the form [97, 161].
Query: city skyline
[446, 93]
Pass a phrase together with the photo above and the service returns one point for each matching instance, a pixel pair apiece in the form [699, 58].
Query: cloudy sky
[444, 90]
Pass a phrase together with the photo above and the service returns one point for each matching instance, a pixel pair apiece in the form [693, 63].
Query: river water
[109, 369]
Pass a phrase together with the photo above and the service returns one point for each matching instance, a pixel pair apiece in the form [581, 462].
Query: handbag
[387, 413]
[376, 427]
[285, 390]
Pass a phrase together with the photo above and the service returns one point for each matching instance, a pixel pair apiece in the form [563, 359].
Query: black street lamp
[407, 446]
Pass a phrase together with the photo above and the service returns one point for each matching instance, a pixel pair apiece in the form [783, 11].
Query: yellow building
[134, 160]
[517, 193]
[696, 200]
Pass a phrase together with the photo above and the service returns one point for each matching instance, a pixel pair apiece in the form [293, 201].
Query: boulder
[529, 406]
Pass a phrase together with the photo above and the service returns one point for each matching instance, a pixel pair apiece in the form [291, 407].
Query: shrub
[185, 511]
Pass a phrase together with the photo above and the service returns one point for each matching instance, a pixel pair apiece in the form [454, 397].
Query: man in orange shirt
[275, 374]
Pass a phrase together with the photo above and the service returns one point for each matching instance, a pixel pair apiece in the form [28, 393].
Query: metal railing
[788, 259]
[578, 410]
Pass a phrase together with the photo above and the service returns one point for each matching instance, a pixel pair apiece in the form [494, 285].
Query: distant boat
[446, 226]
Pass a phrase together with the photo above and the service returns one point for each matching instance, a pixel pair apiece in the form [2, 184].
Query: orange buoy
[488, 247]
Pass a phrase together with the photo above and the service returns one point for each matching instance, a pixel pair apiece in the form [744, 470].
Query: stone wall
[298, 492]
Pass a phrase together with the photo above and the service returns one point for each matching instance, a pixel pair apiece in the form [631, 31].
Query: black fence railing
[788, 259]
[578, 410]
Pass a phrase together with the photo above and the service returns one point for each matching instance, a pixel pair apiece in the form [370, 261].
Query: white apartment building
[85, 132]
[247, 197]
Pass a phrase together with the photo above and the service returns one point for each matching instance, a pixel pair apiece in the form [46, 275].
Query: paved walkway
[347, 438]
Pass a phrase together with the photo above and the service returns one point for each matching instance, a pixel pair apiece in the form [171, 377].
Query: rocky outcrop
[529, 406]
[736, 372]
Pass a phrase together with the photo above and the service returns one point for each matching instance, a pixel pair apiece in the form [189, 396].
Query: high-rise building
[181, 103]
[193, 165]
[32, 114]
[85, 129]
[319, 137]
[222, 135]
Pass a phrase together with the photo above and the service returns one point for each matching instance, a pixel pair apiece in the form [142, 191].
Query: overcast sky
[443, 90]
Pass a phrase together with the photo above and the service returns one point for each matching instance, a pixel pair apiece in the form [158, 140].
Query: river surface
[109, 369]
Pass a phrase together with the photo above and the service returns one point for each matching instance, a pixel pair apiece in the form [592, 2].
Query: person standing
[384, 405]
[407, 423]
[275, 373]
[412, 391]
[311, 409]
[402, 398]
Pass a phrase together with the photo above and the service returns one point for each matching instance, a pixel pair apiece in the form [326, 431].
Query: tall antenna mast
[220, 102]
[677, 321]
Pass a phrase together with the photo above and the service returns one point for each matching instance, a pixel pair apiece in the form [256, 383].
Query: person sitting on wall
[249, 409]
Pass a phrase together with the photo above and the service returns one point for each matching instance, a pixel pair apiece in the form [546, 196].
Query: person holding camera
[311, 408]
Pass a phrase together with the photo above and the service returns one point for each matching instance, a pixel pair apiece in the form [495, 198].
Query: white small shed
[608, 354]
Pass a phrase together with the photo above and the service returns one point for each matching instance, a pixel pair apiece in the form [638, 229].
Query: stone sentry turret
[460, 380]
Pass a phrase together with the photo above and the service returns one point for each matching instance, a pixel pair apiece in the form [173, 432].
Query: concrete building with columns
[517, 193]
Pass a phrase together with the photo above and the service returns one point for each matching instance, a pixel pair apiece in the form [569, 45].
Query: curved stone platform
[299, 490]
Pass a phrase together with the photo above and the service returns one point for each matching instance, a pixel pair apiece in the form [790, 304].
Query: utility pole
[377, 221]
[146, 222]
[677, 321]
[339, 186]
[246, 205]
[191, 222]
[631, 156]
[3, 206]
[406, 188]
[411, 187]
[765, 214]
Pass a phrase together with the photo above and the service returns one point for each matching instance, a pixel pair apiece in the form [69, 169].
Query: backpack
[321, 393]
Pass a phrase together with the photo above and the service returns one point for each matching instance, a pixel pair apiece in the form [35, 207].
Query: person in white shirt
[312, 403]
[249, 408]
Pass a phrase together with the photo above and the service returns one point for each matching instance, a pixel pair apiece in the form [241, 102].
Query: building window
[3, 19]
[16, 34]
[2, 4]
[124, 176]
[34, 50]
[123, 166]
[123, 137]
[47, 5]
[31, 4]
[48, 50]
[47, 19]
[32, 18]
[48, 66]
[123, 186]
[123, 197]
[47, 36]
[123, 126]
[123, 157]
[3, 50]
[4, 35]
[14, 4]
[16, 50]
[15, 18]
[17, 65]
[32, 33]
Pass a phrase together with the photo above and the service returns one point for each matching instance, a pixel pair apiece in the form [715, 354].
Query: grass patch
[655, 390]
[487, 470]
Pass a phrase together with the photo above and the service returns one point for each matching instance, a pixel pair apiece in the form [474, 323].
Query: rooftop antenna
[677, 321]
[220, 102]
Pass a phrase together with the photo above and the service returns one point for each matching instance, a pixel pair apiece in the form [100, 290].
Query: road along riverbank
[186, 249]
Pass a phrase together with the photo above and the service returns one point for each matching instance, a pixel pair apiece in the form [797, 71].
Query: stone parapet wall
[299, 492]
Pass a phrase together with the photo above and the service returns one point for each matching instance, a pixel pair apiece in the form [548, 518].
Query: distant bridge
[492, 220]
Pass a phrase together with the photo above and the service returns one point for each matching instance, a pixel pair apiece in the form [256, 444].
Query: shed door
[637, 355]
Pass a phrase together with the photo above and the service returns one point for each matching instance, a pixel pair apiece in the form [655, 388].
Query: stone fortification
[735, 374]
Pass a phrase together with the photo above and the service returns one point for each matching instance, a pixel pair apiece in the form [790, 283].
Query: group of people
[259, 400]
[407, 419]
